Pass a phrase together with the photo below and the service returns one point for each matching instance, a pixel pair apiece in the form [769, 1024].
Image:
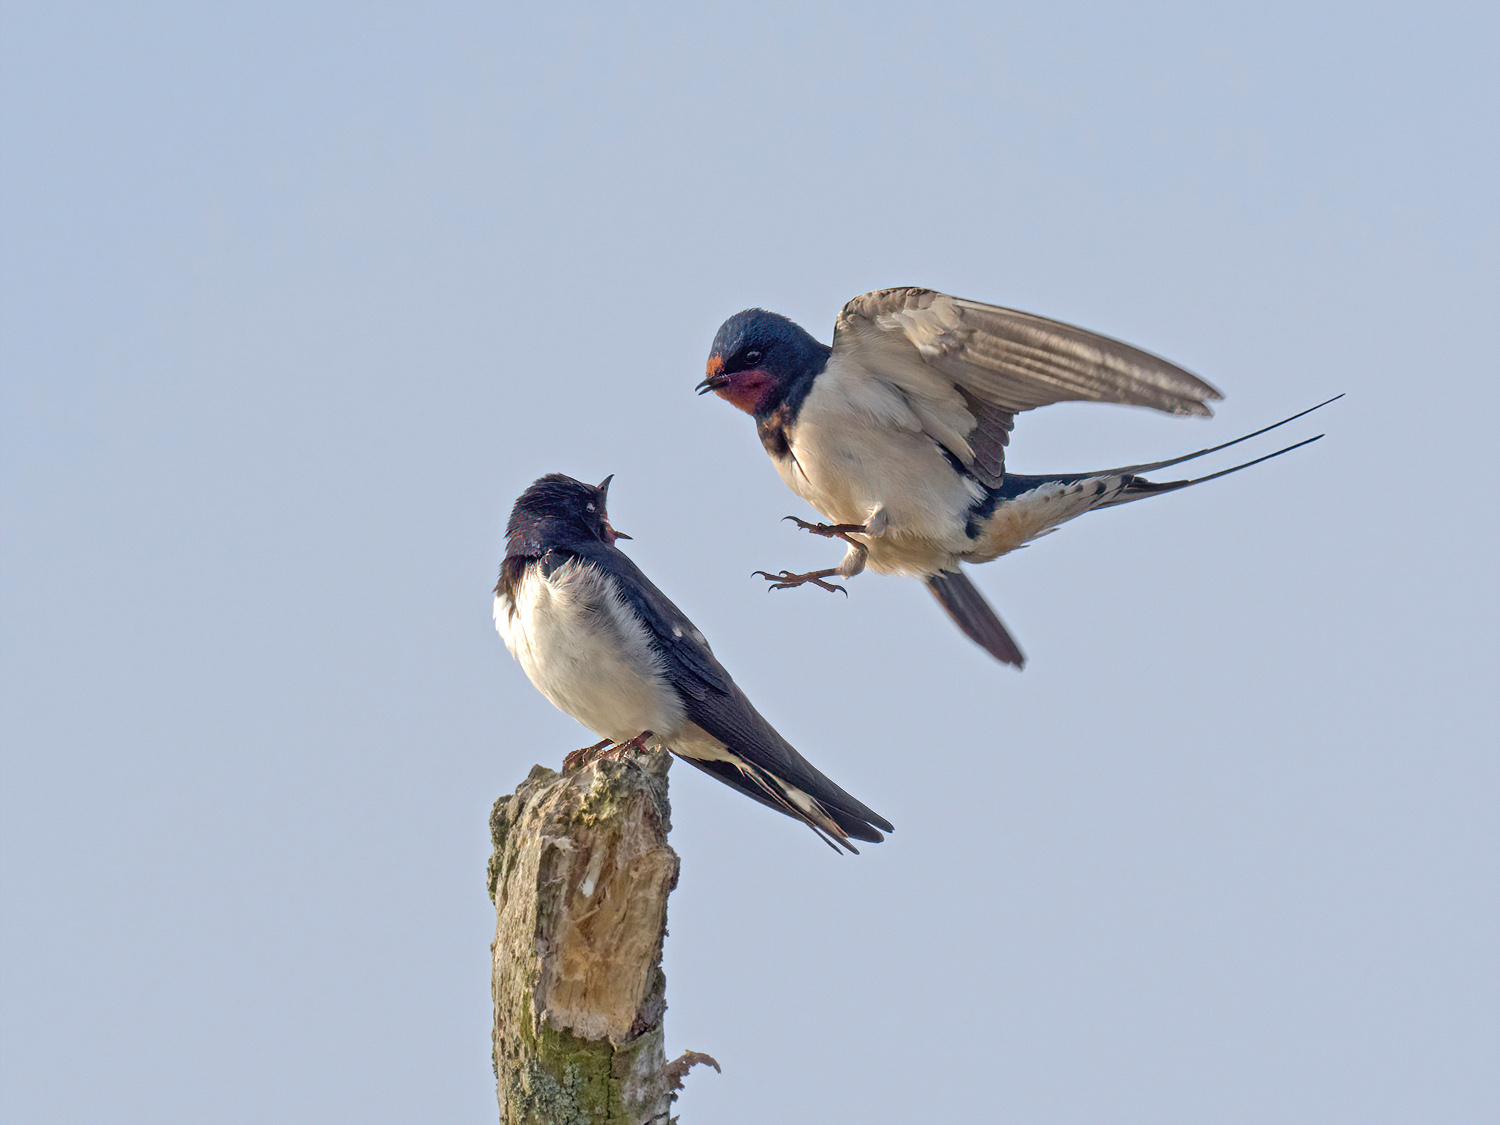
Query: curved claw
[786, 580]
[577, 759]
[619, 751]
[828, 530]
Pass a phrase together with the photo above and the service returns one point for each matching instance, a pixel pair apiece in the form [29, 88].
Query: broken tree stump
[580, 876]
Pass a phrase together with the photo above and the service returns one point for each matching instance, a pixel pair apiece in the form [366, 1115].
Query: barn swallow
[897, 433]
[600, 641]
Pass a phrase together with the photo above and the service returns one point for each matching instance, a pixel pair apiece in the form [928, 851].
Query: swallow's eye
[591, 507]
[753, 356]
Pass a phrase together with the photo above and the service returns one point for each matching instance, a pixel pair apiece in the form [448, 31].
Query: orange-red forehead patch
[715, 365]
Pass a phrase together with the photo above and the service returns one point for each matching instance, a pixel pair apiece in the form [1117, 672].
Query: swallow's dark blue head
[558, 511]
[761, 359]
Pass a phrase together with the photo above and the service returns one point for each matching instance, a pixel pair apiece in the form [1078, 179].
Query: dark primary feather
[966, 605]
[988, 439]
[715, 702]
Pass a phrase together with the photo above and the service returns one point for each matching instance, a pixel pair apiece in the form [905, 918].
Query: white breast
[586, 651]
[857, 445]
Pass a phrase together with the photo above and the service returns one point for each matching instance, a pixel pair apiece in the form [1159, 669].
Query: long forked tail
[1137, 488]
[1154, 465]
[971, 613]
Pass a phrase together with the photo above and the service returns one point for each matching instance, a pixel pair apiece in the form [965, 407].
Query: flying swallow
[600, 641]
[897, 433]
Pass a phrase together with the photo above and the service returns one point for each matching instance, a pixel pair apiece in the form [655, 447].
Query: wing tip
[834, 824]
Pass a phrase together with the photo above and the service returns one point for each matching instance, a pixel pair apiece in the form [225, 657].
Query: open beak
[603, 487]
[712, 383]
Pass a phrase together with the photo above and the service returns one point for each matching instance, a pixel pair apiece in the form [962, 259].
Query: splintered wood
[580, 876]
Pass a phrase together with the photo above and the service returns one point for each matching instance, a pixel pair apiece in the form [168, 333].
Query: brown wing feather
[1007, 361]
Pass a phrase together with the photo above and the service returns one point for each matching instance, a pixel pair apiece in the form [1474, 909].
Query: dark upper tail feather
[856, 827]
[843, 808]
[1139, 487]
[971, 613]
[1016, 483]
[862, 824]
[734, 721]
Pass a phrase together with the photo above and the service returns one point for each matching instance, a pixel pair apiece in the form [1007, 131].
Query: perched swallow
[608, 648]
[897, 432]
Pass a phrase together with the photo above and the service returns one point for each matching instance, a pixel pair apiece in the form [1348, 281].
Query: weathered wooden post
[580, 876]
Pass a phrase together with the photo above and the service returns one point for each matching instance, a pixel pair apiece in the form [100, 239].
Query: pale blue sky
[298, 297]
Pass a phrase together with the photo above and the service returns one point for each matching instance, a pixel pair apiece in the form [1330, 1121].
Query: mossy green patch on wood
[559, 1079]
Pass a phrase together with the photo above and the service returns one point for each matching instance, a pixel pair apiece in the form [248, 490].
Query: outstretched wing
[967, 368]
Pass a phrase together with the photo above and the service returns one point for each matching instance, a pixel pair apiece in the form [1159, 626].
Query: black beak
[712, 383]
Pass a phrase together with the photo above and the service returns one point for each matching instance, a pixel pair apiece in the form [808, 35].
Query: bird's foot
[619, 750]
[580, 758]
[786, 579]
[829, 530]
[616, 751]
